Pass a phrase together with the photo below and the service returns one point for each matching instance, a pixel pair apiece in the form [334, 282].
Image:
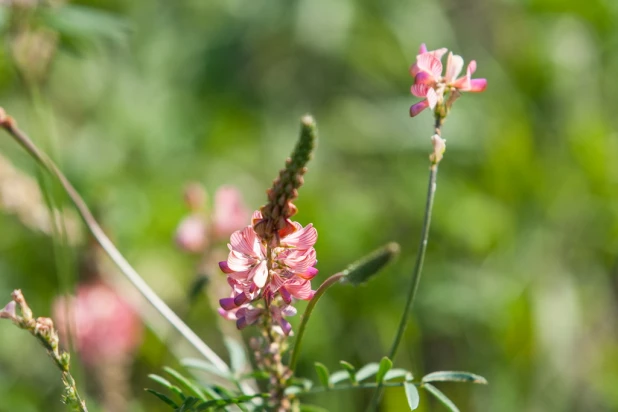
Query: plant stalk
[8, 124]
[303, 322]
[418, 267]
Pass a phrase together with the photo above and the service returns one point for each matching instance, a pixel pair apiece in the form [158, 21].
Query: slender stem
[303, 323]
[420, 258]
[418, 266]
[10, 126]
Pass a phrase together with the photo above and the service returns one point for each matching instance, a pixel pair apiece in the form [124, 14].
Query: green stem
[9, 125]
[303, 323]
[416, 274]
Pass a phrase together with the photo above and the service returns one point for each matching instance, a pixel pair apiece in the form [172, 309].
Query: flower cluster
[433, 87]
[276, 274]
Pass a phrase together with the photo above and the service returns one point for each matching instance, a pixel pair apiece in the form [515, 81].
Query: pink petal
[227, 304]
[432, 98]
[191, 234]
[471, 67]
[420, 90]
[422, 49]
[224, 267]
[454, 65]
[304, 238]
[300, 290]
[415, 109]
[259, 274]
[478, 85]
[309, 274]
[429, 63]
[288, 310]
[245, 241]
[424, 78]
[237, 262]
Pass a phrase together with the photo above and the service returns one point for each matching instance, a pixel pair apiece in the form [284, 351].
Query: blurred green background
[137, 98]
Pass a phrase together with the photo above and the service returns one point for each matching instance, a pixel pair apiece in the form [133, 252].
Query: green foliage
[323, 374]
[450, 376]
[385, 365]
[412, 395]
[364, 269]
[440, 396]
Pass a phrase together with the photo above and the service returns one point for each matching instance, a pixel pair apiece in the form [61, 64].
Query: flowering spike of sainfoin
[275, 215]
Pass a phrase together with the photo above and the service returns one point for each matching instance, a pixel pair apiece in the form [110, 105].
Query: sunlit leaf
[338, 376]
[411, 395]
[385, 365]
[367, 371]
[441, 397]
[350, 369]
[186, 383]
[395, 374]
[452, 376]
[168, 385]
[323, 374]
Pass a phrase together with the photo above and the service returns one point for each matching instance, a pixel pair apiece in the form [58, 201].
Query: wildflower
[430, 84]
[106, 327]
[277, 274]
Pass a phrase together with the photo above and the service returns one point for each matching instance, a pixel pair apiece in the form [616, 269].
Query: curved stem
[8, 124]
[303, 323]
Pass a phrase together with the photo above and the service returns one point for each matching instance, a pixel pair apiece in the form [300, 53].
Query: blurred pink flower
[290, 274]
[198, 230]
[9, 311]
[105, 327]
[191, 234]
[432, 86]
[230, 212]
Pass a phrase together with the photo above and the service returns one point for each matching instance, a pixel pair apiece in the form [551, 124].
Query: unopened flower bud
[18, 297]
[9, 311]
[439, 146]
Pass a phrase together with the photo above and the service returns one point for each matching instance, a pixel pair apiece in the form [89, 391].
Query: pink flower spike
[415, 109]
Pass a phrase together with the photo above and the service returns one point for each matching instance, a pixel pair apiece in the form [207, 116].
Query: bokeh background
[136, 98]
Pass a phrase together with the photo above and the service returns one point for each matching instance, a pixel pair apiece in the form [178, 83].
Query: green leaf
[168, 385]
[395, 374]
[451, 376]
[186, 383]
[385, 365]
[338, 376]
[163, 398]
[367, 371]
[238, 358]
[188, 404]
[362, 270]
[202, 365]
[411, 395]
[230, 401]
[86, 23]
[351, 371]
[323, 374]
[440, 396]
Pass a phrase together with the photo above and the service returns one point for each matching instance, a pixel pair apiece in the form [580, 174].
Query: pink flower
[432, 86]
[106, 328]
[191, 235]
[9, 311]
[230, 212]
[291, 269]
